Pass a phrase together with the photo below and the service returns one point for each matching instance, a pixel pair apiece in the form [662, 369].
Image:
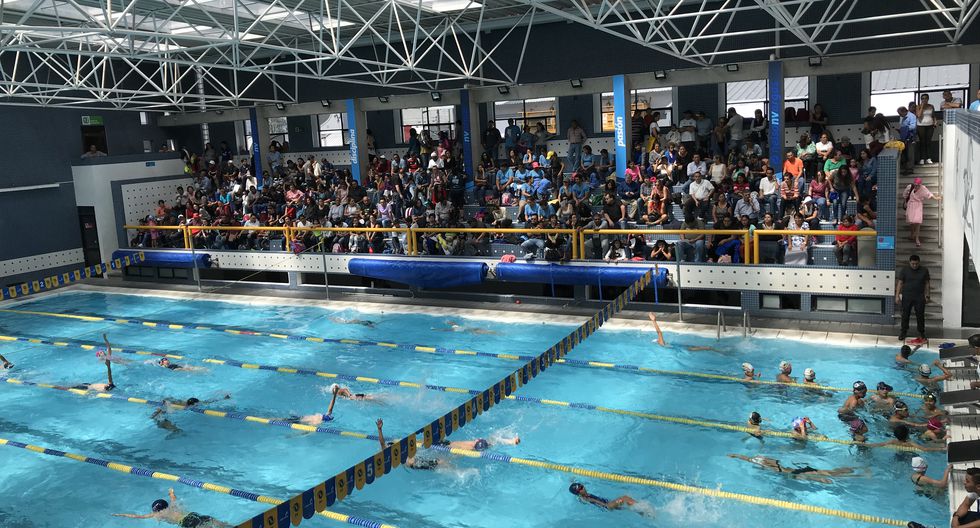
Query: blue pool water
[43, 491]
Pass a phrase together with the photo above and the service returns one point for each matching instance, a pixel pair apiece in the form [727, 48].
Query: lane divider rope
[307, 510]
[426, 349]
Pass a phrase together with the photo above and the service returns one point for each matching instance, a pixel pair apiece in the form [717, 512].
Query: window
[891, 89]
[654, 99]
[245, 138]
[205, 133]
[278, 130]
[332, 129]
[435, 119]
[144, 118]
[748, 96]
[527, 112]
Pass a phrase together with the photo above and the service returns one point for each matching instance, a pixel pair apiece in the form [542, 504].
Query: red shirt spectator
[847, 225]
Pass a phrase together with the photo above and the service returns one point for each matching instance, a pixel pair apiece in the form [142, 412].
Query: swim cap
[925, 370]
[906, 351]
[575, 488]
[809, 374]
[882, 386]
[747, 367]
[334, 387]
[974, 340]
[481, 444]
[901, 406]
[755, 418]
[799, 422]
[856, 425]
[929, 396]
[934, 424]
[785, 365]
[919, 464]
[859, 386]
[192, 401]
[159, 505]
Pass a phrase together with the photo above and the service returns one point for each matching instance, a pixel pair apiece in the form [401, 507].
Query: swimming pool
[463, 492]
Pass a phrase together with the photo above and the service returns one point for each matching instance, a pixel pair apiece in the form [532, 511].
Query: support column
[357, 125]
[622, 122]
[776, 131]
[467, 114]
[253, 123]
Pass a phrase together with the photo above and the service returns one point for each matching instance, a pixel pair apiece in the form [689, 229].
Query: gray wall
[698, 97]
[580, 108]
[840, 96]
[381, 123]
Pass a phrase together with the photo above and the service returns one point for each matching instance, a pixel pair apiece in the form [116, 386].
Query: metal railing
[577, 237]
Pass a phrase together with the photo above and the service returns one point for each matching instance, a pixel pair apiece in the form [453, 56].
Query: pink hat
[918, 181]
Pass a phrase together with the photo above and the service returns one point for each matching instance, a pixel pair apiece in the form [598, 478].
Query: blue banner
[355, 160]
[464, 113]
[776, 144]
[253, 123]
[621, 121]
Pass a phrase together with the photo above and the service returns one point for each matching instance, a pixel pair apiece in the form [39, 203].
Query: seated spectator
[662, 252]
[845, 247]
[614, 211]
[616, 251]
[789, 191]
[747, 206]
[729, 245]
[699, 199]
[797, 246]
[690, 247]
[866, 215]
[658, 211]
[769, 192]
[721, 209]
[772, 248]
[629, 194]
[820, 194]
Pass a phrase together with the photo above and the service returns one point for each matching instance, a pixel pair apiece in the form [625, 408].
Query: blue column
[464, 116]
[622, 122]
[776, 132]
[355, 161]
[253, 123]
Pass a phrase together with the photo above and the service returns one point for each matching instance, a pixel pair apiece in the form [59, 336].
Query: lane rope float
[307, 510]
[449, 352]
[459, 390]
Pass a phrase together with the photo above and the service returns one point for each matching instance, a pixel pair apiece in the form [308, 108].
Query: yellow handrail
[809, 232]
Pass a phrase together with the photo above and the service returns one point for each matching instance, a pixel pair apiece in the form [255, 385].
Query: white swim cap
[925, 370]
[809, 374]
[919, 464]
[785, 365]
[334, 387]
[747, 367]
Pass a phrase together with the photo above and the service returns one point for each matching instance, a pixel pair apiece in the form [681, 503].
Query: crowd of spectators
[694, 175]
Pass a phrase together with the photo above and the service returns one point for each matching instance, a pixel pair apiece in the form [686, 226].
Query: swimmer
[901, 439]
[345, 392]
[883, 398]
[785, 369]
[579, 491]
[799, 472]
[858, 391]
[410, 462]
[167, 364]
[171, 513]
[900, 415]
[99, 387]
[935, 430]
[801, 426]
[317, 419]
[749, 372]
[755, 424]
[902, 358]
[656, 326]
[925, 374]
[106, 354]
[929, 407]
[809, 377]
[480, 444]
[362, 322]
[456, 327]
[6, 364]
[159, 414]
[919, 467]
[859, 430]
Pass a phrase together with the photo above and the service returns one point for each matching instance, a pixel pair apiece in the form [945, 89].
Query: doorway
[94, 135]
[90, 236]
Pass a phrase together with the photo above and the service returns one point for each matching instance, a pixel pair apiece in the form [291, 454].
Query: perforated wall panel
[840, 281]
[70, 257]
[140, 199]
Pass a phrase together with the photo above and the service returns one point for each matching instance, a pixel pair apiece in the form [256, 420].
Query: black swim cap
[974, 340]
[159, 505]
[756, 418]
[575, 488]
[906, 351]
[192, 401]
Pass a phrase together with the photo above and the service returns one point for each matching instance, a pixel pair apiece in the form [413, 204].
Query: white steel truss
[139, 54]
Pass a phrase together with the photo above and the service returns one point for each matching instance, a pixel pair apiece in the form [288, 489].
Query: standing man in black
[911, 292]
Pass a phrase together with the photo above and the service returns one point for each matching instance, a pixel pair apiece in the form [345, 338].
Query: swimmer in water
[6, 364]
[453, 326]
[858, 391]
[902, 358]
[901, 414]
[929, 407]
[901, 439]
[480, 444]
[801, 426]
[919, 467]
[883, 398]
[925, 374]
[859, 430]
[106, 354]
[317, 419]
[159, 415]
[785, 369]
[809, 377]
[167, 364]
[99, 387]
[662, 342]
[579, 491]
[410, 462]
[799, 472]
[755, 424]
[345, 392]
[362, 322]
[749, 372]
[935, 430]
[171, 513]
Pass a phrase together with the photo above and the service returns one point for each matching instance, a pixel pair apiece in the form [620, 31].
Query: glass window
[891, 89]
[653, 99]
[245, 140]
[278, 130]
[332, 129]
[527, 112]
[432, 118]
[144, 118]
[205, 133]
[748, 96]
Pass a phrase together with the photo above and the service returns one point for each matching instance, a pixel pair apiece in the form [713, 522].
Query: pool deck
[967, 427]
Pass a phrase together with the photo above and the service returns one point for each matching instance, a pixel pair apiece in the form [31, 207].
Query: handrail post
[745, 324]
[718, 326]
[187, 236]
[575, 246]
[748, 258]
[755, 246]
[680, 301]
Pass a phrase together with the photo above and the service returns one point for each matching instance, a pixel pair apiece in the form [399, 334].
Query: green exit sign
[92, 120]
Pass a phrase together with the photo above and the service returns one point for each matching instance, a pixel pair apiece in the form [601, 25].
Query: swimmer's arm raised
[381, 435]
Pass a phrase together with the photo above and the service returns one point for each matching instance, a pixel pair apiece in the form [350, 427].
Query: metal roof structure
[182, 55]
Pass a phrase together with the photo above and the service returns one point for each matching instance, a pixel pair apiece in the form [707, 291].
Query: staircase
[929, 234]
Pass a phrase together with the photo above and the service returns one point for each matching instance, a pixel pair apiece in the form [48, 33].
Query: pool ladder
[722, 326]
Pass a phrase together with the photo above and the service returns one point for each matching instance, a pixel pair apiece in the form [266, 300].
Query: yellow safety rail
[807, 232]
[409, 239]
